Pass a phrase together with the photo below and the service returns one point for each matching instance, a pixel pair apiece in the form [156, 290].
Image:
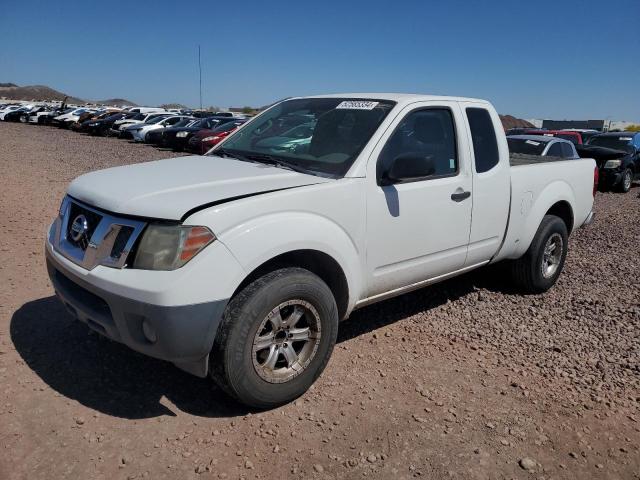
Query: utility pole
[200, 73]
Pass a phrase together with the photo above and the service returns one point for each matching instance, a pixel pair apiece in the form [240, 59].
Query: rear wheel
[275, 339]
[539, 268]
[626, 181]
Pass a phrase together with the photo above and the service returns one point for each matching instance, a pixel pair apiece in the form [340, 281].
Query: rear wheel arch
[562, 209]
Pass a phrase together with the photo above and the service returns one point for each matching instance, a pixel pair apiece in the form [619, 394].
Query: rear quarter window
[483, 135]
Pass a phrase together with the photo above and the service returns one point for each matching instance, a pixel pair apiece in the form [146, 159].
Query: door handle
[460, 196]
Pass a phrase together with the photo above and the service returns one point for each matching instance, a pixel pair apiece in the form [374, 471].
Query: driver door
[419, 229]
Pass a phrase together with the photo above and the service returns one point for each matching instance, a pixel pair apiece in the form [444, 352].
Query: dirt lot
[466, 379]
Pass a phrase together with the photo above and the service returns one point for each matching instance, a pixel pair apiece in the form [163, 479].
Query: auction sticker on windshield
[357, 105]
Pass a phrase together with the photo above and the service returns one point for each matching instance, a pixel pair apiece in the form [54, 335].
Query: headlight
[613, 163]
[182, 134]
[210, 139]
[166, 247]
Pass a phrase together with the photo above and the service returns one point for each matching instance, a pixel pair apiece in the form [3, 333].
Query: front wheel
[275, 339]
[626, 181]
[539, 268]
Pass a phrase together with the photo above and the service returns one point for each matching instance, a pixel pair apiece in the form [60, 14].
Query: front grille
[76, 213]
[120, 243]
[98, 237]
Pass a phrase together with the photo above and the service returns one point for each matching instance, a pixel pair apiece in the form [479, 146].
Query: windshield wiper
[260, 158]
[275, 161]
[226, 153]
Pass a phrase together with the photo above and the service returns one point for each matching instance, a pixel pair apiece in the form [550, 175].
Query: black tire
[529, 270]
[626, 181]
[232, 360]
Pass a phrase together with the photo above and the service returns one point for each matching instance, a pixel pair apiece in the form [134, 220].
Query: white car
[36, 115]
[10, 108]
[120, 125]
[66, 119]
[146, 109]
[240, 264]
[139, 131]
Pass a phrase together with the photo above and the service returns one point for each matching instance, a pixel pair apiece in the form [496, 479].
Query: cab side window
[428, 134]
[567, 150]
[485, 144]
[555, 150]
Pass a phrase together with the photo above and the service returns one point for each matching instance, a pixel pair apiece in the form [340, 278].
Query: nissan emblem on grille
[79, 228]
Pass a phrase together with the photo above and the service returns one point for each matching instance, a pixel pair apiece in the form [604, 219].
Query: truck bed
[518, 159]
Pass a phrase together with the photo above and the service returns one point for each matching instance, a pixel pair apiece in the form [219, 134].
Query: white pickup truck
[240, 264]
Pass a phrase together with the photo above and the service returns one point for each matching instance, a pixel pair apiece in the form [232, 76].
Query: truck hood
[600, 154]
[168, 189]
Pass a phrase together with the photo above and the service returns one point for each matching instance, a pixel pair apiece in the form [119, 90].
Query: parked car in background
[102, 125]
[585, 133]
[155, 137]
[147, 110]
[119, 126]
[13, 115]
[82, 125]
[139, 132]
[46, 118]
[39, 114]
[8, 109]
[67, 119]
[573, 137]
[241, 264]
[541, 145]
[177, 137]
[20, 115]
[618, 157]
[201, 142]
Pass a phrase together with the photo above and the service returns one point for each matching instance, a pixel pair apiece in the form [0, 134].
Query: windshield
[184, 122]
[157, 119]
[114, 116]
[527, 147]
[138, 116]
[210, 122]
[621, 142]
[225, 127]
[319, 135]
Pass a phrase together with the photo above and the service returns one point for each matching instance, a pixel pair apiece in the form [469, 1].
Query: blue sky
[541, 59]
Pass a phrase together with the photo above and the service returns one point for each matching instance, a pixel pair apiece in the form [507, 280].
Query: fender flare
[283, 232]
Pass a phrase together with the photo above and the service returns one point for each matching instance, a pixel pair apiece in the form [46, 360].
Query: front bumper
[175, 142]
[609, 178]
[166, 304]
[138, 135]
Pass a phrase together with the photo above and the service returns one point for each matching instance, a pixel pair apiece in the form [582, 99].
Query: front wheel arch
[315, 261]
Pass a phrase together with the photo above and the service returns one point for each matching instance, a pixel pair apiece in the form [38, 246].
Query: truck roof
[398, 97]
[618, 134]
[538, 138]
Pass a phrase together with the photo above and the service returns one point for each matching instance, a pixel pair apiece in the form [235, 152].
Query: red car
[204, 140]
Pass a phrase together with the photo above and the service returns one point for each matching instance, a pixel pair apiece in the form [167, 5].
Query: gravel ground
[466, 379]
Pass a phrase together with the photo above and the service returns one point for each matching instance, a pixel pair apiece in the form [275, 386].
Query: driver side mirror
[408, 167]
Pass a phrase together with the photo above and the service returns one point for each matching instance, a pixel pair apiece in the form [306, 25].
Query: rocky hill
[509, 121]
[43, 93]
